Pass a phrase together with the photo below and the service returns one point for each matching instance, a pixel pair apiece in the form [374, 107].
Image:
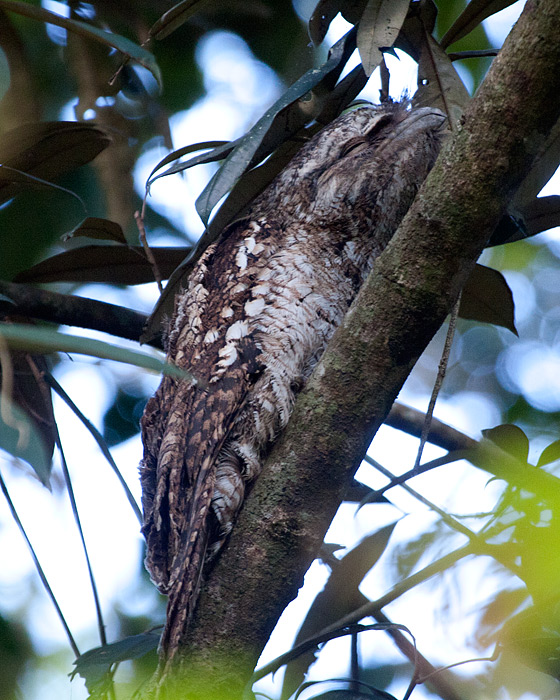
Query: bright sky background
[239, 89]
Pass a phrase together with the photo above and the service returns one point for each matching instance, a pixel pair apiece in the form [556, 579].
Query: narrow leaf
[45, 340]
[105, 264]
[175, 17]
[487, 298]
[474, 13]
[283, 119]
[378, 29]
[128, 48]
[102, 229]
[102, 444]
[222, 149]
[482, 53]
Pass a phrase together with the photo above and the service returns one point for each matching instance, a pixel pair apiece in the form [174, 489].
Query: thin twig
[142, 234]
[446, 517]
[442, 369]
[39, 568]
[65, 471]
[99, 440]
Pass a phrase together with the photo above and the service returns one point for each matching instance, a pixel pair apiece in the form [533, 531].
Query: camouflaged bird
[258, 311]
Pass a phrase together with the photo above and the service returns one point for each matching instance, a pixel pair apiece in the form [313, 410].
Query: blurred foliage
[58, 186]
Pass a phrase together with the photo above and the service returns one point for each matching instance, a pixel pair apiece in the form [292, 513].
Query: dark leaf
[175, 17]
[254, 181]
[321, 18]
[379, 27]
[105, 264]
[438, 82]
[549, 454]
[543, 168]
[46, 150]
[510, 439]
[339, 597]
[509, 229]
[475, 12]
[541, 214]
[327, 10]
[95, 662]
[487, 298]
[27, 424]
[220, 150]
[281, 121]
[343, 94]
[102, 229]
[125, 46]
[122, 419]
[352, 10]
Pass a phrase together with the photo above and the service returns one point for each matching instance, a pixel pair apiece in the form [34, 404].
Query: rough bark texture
[413, 285]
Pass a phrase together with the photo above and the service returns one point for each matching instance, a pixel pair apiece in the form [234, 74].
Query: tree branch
[71, 310]
[414, 284]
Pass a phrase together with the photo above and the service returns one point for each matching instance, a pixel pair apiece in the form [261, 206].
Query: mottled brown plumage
[259, 309]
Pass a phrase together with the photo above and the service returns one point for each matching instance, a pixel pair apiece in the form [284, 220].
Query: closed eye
[352, 145]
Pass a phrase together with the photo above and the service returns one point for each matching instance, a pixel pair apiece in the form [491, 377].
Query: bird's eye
[352, 145]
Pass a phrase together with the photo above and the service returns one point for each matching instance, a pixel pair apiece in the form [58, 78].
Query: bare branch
[25, 300]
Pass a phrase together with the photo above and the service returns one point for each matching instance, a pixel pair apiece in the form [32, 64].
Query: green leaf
[175, 17]
[44, 340]
[46, 150]
[511, 439]
[102, 229]
[379, 27]
[550, 454]
[474, 13]
[105, 264]
[487, 298]
[128, 48]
